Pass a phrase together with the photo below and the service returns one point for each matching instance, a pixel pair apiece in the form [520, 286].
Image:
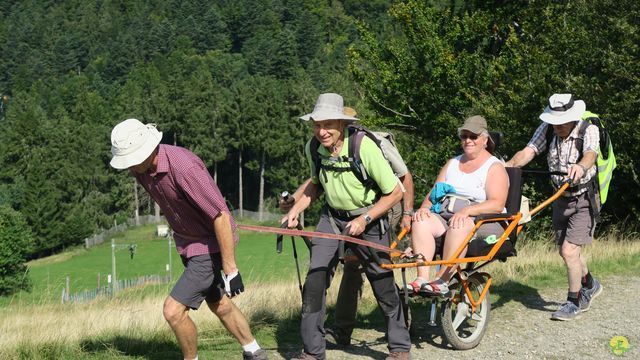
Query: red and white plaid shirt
[189, 199]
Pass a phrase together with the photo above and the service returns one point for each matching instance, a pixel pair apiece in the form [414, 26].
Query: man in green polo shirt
[356, 208]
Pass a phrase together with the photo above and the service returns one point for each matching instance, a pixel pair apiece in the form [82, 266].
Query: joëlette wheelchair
[464, 312]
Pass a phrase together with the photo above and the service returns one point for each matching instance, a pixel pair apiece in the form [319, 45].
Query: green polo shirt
[343, 190]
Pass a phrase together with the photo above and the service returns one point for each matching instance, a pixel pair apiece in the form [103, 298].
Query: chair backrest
[515, 190]
[497, 138]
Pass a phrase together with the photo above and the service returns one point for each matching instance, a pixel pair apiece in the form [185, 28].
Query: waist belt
[348, 214]
[345, 215]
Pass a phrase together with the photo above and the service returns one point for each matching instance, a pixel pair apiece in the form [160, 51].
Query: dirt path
[520, 328]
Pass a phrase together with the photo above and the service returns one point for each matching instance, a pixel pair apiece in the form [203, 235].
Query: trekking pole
[279, 239]
[432, 316]
[295, 256]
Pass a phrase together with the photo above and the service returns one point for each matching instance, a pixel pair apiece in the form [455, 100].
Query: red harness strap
[312, 234]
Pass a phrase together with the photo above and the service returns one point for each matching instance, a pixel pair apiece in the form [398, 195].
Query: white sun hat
[132, 142]
[329, 106]
[562, 109]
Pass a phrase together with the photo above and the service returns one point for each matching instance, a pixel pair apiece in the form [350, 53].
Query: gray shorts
[200, 281]
[492, 228]
[573, 220]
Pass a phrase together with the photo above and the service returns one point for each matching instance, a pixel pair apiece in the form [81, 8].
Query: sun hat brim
[327, 115]
[562, 117]
[139, 155]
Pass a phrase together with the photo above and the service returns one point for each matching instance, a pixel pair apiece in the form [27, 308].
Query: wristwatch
[367, 218]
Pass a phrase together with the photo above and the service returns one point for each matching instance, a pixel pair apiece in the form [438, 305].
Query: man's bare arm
[521, 158]
[224, 235]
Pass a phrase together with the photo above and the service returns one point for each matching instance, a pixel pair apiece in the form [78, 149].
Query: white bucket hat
[329, 106]
[562, 109]
[132, 142]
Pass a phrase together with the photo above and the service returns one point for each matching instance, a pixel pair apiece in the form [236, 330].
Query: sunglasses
[468, 136]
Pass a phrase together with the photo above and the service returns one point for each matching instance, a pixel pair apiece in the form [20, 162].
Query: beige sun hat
[132, 142]
[329, 106]
[562, 109]
[349, 111]
[477, 124]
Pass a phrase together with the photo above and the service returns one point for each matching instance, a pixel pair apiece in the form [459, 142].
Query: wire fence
[98, 239]
[109, 290]
[255, 215]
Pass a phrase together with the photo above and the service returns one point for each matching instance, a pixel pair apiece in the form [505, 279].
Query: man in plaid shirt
[574, 213]
[204, 232]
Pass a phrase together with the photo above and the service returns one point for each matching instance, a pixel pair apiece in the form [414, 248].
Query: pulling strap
[273, 230]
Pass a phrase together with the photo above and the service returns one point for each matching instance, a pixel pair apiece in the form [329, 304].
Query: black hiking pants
[324, 258]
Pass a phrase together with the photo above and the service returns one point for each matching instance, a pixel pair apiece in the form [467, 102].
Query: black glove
[233, 284]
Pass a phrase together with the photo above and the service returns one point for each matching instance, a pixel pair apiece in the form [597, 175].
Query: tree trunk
[240, 205]
[261, 192]
[215, 172]
[137, 205]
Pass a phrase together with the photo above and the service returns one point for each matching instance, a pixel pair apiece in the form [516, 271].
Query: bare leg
[423, 234]
[452, 241]
[177, 315]
[232, 319]
[571, 255]
[583, 262]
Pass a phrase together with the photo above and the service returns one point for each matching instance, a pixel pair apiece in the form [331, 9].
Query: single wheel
[463, 328]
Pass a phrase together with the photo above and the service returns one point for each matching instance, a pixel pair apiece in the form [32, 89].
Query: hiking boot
[568, 311]
[399, 355]
[338, 337]
[260, 354]
[587, 295]
[435, 288]
[304, 356]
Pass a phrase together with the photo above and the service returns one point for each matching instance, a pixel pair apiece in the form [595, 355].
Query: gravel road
[520, 328]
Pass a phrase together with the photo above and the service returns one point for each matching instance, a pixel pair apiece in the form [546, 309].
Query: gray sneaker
[260, 354]
[568, 311]
[587, 295]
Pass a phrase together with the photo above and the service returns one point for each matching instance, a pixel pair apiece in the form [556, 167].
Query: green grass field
[34, 325]
[256, 256]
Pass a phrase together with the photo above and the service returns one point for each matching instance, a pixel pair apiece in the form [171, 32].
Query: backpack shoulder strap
[582, 130]
[549, 135]
[314, 146]
[356, 134]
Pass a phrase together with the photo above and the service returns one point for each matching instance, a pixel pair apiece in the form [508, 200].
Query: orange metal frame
[454, 260]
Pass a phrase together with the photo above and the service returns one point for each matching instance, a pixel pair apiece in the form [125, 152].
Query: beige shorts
[573, 220]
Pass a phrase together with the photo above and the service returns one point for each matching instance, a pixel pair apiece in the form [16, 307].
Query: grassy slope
[256, 258]
[271, 303]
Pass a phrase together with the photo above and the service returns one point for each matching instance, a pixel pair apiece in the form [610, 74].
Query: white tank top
[472, 184]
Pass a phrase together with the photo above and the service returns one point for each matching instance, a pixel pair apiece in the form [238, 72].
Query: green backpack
[606, 161]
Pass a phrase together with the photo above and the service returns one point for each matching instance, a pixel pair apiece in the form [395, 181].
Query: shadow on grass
[131, 346]
[524, 294]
